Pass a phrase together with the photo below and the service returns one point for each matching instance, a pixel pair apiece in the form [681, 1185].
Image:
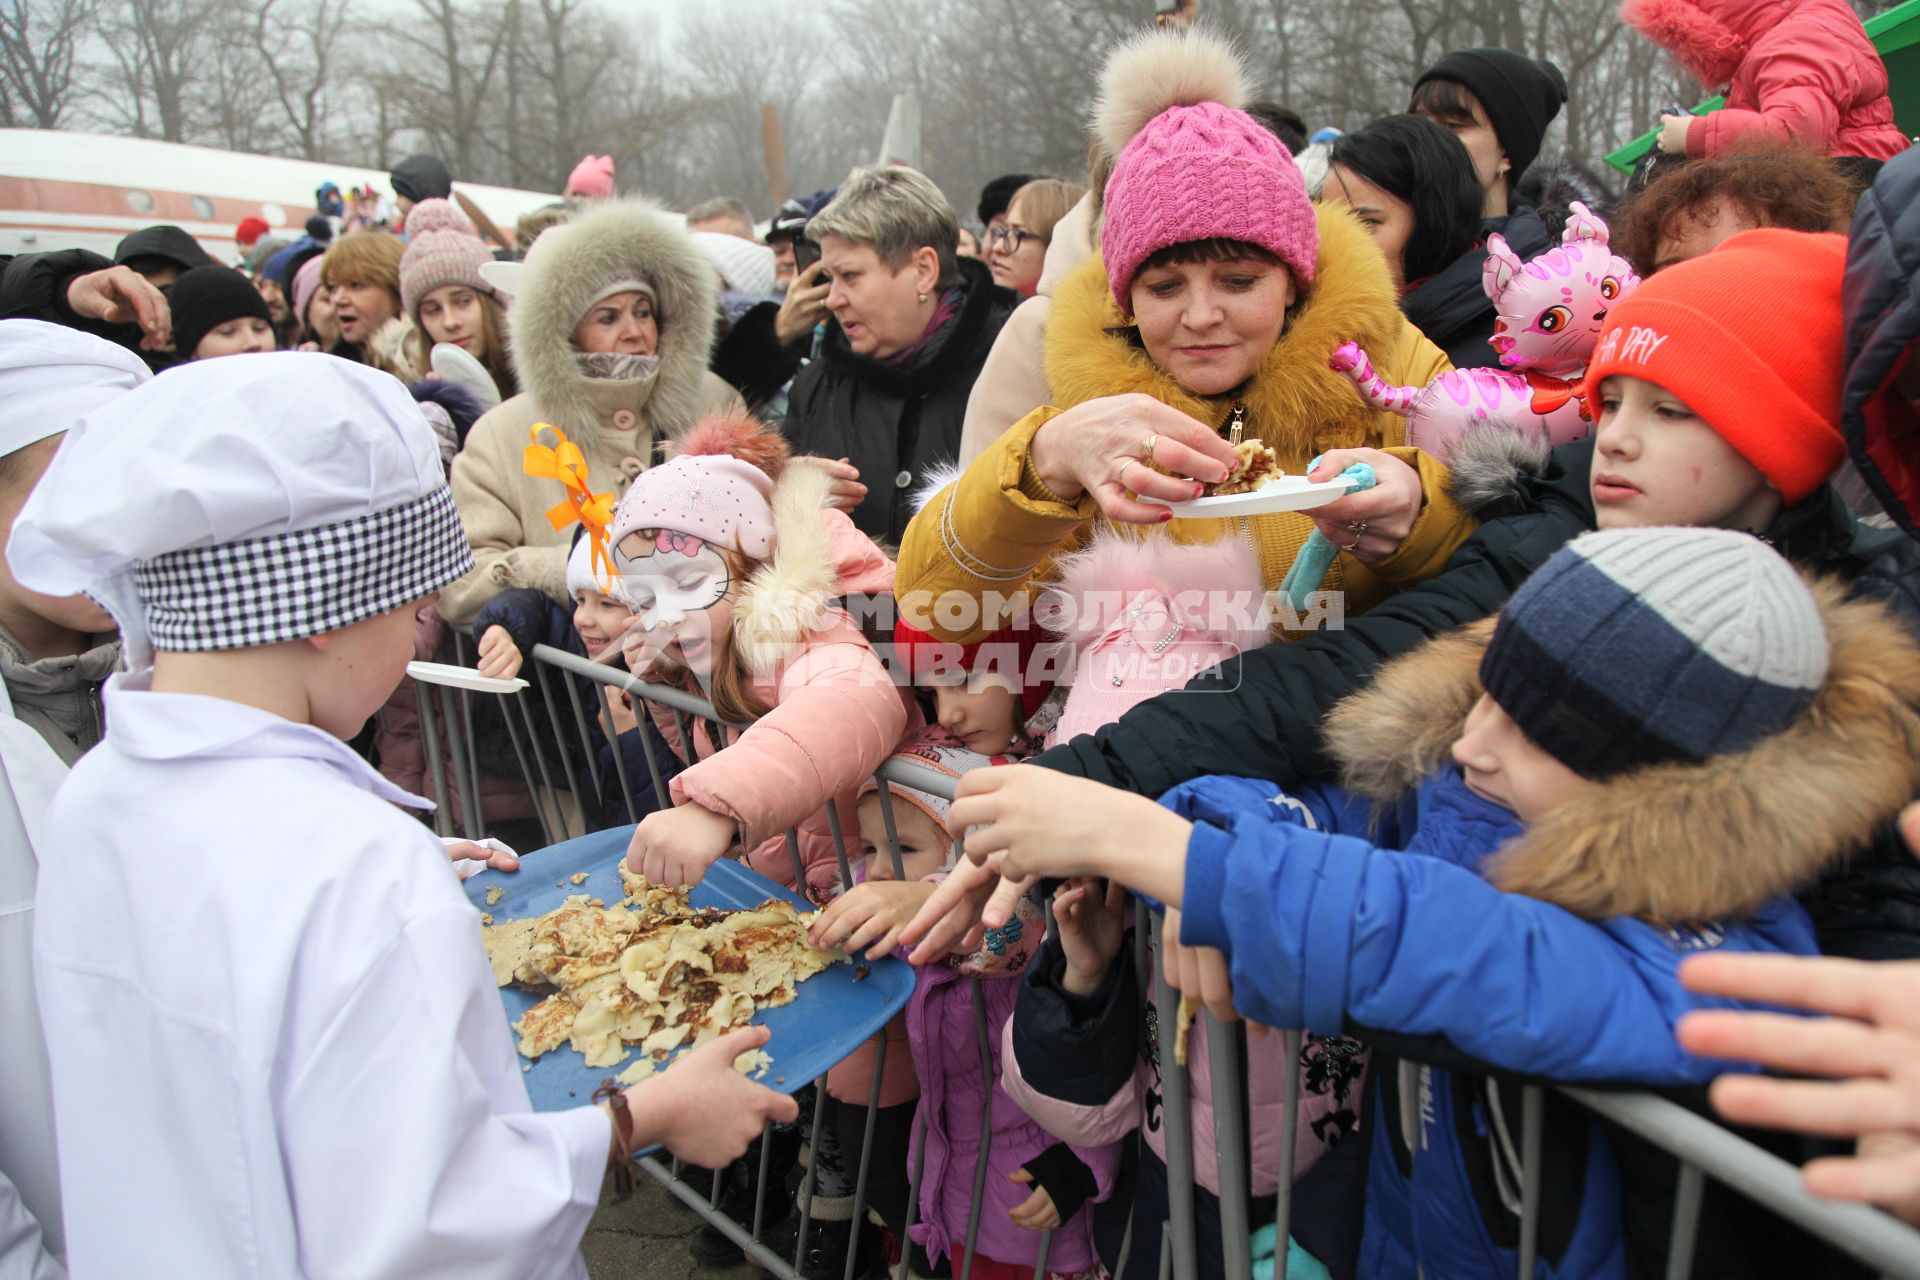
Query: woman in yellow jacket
[1208, 318]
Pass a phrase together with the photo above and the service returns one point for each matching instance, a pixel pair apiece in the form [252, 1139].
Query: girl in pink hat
[732, 562]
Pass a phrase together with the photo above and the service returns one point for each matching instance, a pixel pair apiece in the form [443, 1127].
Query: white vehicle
[62, 190]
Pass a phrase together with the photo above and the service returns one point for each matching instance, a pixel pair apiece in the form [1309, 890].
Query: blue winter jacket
[1339, 917]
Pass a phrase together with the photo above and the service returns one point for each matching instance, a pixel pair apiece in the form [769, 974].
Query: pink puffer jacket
[1794, 69]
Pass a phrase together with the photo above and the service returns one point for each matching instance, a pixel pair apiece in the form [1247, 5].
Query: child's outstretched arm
[1329, 933]
[836, 717]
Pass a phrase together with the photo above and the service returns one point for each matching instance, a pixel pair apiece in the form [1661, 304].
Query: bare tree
[39, 43]
[299, 51]
[160, 48]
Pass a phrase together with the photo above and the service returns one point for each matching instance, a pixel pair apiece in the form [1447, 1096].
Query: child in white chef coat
[277, 1046]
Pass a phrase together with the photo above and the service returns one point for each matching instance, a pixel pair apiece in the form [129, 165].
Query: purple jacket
[941, 1026]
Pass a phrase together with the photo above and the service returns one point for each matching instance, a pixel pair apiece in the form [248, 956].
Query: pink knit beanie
[1189, 165]
[437, 214]
[710, 492]
[306, 283]
[592, 178]
[440, 258]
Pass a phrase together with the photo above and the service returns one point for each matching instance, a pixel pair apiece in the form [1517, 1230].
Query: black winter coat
[34, 287]
[752, 360]
[1882, 300]
[896, 424]
[1451, 306]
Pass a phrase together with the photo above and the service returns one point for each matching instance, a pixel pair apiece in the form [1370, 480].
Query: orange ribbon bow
[593, 511]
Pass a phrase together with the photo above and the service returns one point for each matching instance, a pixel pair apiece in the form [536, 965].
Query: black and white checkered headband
[291, 585]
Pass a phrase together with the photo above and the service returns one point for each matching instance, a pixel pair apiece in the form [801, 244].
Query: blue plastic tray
[831, 1016]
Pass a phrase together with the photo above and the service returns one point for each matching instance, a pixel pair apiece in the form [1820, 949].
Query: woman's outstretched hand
[1103, 447]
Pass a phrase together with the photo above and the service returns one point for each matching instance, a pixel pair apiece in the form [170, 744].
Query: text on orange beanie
[1765, 377]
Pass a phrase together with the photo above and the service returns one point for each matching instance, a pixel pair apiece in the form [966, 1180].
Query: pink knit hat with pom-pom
[592, 178]
[437, 215]
[1189, 165]
[718, 487]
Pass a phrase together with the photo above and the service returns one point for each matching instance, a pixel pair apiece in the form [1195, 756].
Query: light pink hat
[437, 214]
[936, 749]
[592, 178]
[306, 283]
[441, 258]
[715, 498]
[1188, 164]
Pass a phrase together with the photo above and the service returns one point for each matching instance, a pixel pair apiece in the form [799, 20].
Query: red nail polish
[1165, 516]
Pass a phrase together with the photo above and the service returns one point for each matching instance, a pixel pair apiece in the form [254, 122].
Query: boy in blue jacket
[1665, 733]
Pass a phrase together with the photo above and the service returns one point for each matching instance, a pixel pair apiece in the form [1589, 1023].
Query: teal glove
[1310, 567]
[1301, 1265]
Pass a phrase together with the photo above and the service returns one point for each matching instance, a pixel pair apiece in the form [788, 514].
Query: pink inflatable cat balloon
[1549, 315]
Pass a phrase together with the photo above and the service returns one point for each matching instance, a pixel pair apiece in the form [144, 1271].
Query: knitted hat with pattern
[1635, 647]
[1189, 164]
[438, 214]
[718, 490]
[1771, 390]
[441, 258]
[932, 748]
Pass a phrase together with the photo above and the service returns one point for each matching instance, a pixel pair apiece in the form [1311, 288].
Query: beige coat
[618, 423]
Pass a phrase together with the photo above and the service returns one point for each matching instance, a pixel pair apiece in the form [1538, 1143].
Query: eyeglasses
[1009, 239]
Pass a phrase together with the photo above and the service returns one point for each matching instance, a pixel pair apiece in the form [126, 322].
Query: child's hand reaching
[869, 915]
[1091, 922]
[499, 656]
[972, 899]
[1036, 1212]
[1061, 1184]
[676, 846]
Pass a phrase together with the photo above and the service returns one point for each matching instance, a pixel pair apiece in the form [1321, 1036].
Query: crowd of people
[1575, 739]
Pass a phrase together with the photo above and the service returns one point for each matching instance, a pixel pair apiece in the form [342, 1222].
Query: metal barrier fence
[1703, 1149]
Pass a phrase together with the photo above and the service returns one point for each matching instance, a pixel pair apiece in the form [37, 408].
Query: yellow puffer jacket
[994, 530]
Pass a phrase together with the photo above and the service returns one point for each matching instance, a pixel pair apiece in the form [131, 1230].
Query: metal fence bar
[461, 635]
[547, 790]
[1686, 1221]
[762, 1256]
[1532, 1123]
[469, 794]
[813, 1171]
[919, 1141]
[1229, 1144]
[1291, 1043]
[430, 749]
[612, 736]
[580, 728]
[508, 701]
[866, 1151]
[986, 1135]
[1178, 1114]
[1876, 1238]
[559, 732]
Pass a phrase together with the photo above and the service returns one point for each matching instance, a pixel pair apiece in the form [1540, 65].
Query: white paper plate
[462, 678]
[1288, 493]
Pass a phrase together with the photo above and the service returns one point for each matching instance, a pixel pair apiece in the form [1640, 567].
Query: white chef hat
[234, 503]
[51, 375]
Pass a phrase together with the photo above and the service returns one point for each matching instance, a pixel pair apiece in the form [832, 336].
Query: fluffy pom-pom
[1160, 69]
[742, 438]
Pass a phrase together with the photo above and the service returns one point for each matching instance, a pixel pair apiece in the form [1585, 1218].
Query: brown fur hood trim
[1297, 404]
[613, 241]
[1674, 843]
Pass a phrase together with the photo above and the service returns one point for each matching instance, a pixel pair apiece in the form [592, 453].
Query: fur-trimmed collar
[1674, 843]
[1297, 404]
[612, 241]
[818, 556]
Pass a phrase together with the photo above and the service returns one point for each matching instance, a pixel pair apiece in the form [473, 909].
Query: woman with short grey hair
[910, 324]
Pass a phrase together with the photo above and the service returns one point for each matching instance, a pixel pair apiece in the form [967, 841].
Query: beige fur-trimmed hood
[1674, 843]
[818, 557]
[613, 241]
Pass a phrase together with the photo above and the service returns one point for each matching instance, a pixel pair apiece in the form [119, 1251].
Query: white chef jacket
[277, 1046]
[29, 1174]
